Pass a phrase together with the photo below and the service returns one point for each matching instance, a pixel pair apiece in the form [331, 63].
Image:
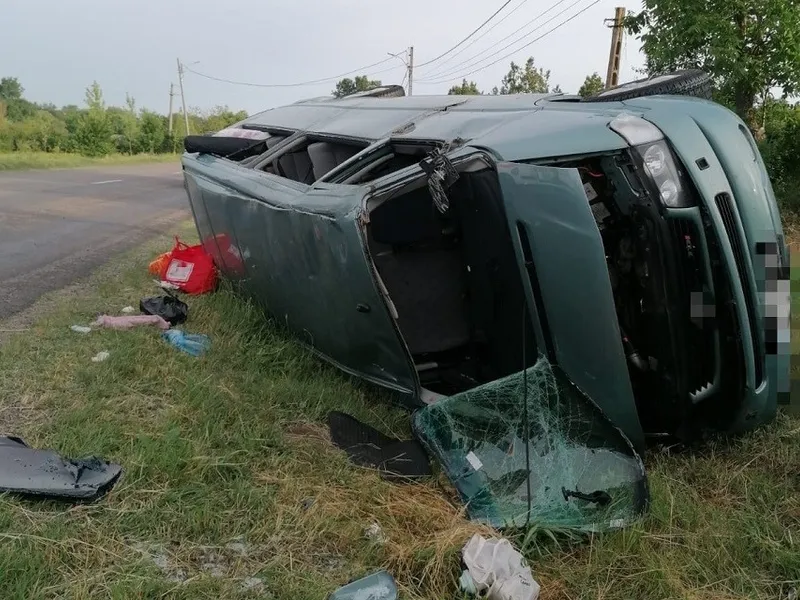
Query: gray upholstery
[326, 156]
[427, 289]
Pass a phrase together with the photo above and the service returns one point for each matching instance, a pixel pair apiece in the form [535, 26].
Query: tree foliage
[361, 83]
[525, 80]
[96, 129]
[592, 85]
[465, 89]
[748, 46]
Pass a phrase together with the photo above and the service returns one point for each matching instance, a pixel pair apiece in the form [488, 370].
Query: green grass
[17, 161]
[229, 475]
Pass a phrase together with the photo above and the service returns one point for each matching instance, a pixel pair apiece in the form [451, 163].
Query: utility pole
[171, 95]
[617, 33]
[183, 96]
[411, 70]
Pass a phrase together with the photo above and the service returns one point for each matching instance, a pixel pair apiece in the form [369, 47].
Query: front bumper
[739, 207]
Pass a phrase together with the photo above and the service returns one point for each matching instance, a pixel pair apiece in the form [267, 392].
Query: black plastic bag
[173, 310]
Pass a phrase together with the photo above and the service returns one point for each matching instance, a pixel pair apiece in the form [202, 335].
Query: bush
[781, 152]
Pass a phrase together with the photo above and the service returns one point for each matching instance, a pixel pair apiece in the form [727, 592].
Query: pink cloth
[128, 322]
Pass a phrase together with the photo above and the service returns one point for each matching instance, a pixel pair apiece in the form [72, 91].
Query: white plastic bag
[498, 570]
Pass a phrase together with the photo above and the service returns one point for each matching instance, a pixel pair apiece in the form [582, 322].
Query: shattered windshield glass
[547, 457]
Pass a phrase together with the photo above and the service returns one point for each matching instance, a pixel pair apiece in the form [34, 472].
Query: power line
[476, 59]
[559, 26]
[299, 83]
[433, 60]
[438, 68]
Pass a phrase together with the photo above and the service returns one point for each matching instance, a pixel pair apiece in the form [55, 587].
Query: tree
[747, 46]
[11, 89]
[592, 85]
[17, 108]
[93, 135]
[130, 123]
[465, 89]
[151, 132]
[525, 80]
[348, 86]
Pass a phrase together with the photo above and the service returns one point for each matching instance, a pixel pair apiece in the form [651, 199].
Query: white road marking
[177, 172]
[107, 181]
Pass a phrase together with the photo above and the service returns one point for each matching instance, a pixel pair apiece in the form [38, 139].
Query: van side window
[309, 158]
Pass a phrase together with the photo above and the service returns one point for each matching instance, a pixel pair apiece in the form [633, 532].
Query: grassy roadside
[232, 490]
[17, 161]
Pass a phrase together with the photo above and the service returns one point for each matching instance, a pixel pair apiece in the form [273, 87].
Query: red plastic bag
[191, 269]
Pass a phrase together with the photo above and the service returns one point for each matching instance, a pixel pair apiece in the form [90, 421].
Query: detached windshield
[546, 457]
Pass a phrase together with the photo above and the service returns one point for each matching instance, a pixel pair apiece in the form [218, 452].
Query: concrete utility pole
[617, 33]
[171, 95]
[183, 96]
[411, 70]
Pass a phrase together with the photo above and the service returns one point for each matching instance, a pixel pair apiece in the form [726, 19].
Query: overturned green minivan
[623, 255]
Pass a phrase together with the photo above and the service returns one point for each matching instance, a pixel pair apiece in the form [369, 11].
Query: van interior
[451, 277]
[456, 288]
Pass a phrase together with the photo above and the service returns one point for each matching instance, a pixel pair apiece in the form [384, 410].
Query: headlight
[655, 158]
[660, 167]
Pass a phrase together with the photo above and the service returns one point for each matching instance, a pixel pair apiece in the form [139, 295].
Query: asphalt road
[57, 226]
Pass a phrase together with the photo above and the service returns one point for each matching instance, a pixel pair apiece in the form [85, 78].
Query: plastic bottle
[192, 344]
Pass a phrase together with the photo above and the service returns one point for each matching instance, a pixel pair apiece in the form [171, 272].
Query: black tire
[693, 83]
[385, 91]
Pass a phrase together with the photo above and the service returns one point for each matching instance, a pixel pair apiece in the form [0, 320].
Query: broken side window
[531, 449]
[309, 157]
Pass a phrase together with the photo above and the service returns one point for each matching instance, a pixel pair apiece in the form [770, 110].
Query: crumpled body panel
[548, 457]
[45, 474]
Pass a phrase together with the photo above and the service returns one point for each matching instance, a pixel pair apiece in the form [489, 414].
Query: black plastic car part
[691, 82]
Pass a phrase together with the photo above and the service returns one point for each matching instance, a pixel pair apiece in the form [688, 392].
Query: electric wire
[446, 79]
[477, 59]
[481, 26]
[438, 69]
[300, 83]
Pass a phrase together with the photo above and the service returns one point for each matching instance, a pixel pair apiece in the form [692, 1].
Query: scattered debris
[238, 546]
[191, 269]
[101, 356]
[252, 584]
[45, 474]
[81, 329]
[441, 176]
[130, 321]
[128, 310]
[193, 344]
[159, 558]
[375, 534]
[495, 570]
[213, 564]
[159, 265]
[378, 586]
[397, 460]
[169, 307]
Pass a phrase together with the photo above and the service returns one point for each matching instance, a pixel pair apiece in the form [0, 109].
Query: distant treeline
[96, 129]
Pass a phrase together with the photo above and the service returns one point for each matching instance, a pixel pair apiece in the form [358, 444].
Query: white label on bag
[474, 461]
[179, 271]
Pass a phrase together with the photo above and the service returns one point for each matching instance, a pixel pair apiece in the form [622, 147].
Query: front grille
[729, 219]
[692, 281]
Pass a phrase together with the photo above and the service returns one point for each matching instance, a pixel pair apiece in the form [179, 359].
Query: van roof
[513, 127]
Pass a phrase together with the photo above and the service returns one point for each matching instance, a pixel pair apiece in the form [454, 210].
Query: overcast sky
[57, 48]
